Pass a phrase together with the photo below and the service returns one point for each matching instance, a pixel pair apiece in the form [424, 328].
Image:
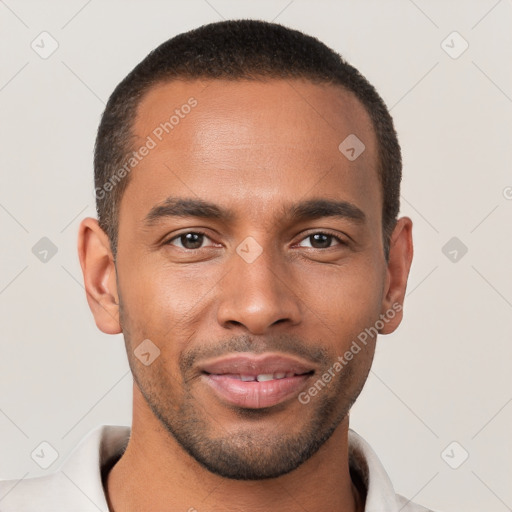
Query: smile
[256, 382]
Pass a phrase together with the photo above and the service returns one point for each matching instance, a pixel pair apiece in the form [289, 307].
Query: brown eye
[321, 240]
[191, 240]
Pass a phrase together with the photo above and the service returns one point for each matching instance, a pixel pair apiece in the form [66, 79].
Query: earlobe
[99, 275]
[399, 264]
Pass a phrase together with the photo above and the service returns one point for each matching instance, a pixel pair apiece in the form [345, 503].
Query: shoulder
[37, 493]
[380, 493]
[76, 485]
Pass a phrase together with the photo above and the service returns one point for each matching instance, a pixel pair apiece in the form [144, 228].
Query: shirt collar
[380, 494]
[94, 452]
[104, 445]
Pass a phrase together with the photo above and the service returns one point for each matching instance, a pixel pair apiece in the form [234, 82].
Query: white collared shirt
[77, 485]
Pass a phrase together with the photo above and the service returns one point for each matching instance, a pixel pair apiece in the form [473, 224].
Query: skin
[256, 148]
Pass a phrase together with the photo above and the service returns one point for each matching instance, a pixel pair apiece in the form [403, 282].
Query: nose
[258, 295]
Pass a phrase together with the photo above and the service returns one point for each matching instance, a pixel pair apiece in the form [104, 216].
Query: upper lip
[256, 365]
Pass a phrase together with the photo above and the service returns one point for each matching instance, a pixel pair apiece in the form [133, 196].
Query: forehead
[251, 142]
[304, 108]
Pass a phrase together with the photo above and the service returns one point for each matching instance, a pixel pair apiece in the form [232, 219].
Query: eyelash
[199, 232]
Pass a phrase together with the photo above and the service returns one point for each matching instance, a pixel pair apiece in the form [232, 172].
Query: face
[251, 256]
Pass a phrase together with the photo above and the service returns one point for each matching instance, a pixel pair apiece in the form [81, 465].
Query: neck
[155, 473]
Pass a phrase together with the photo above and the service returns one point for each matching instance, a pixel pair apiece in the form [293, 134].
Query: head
[234, 51]
[247, 182]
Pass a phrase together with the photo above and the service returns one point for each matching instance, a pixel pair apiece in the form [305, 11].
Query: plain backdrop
[443, 377]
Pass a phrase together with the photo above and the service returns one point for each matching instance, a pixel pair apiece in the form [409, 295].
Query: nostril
[235, 323]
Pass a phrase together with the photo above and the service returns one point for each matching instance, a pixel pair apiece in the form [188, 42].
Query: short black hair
[235, 50]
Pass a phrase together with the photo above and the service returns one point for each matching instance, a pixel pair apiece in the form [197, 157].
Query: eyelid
[179, 235]
[335, 235]
[306, 235]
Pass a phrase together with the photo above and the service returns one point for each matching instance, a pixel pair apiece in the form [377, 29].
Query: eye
[321, 240]
[190, 240]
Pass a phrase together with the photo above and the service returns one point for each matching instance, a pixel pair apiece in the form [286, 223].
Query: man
[248, 248]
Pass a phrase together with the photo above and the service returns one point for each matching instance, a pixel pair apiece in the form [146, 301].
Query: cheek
[163, 303]
[346, 298]
[169, 304]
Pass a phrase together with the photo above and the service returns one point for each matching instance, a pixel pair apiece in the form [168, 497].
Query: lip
[223, 377]
[256, 364]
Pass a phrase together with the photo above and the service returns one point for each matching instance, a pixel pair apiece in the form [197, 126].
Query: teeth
[264, 376]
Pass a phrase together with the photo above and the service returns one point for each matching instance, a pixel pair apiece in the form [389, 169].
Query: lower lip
[253, 394]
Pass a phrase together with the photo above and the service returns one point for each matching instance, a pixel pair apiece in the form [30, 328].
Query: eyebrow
[305, 210]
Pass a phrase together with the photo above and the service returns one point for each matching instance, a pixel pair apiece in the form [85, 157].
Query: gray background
[444, 376]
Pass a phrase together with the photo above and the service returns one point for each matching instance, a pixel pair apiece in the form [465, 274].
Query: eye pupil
[192, 240]
[321, 238]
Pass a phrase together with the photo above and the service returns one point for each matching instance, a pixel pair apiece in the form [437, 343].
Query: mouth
[261, 377]
[256, 382]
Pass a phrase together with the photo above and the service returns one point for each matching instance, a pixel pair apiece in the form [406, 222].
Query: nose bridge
[255, 293]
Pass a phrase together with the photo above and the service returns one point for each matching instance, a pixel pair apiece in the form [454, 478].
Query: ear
[399, 264]
[99, 273]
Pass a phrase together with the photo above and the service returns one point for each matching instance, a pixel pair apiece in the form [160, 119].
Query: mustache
[286, 344]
